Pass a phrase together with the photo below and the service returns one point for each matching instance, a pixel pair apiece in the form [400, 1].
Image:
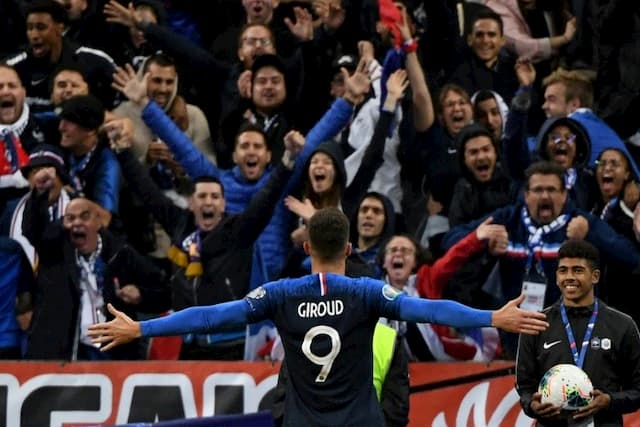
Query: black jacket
[35, 73]
[57, 300]
[614, 370]
[473, 200]
[473, 75]
[226, 251]
[615, 281]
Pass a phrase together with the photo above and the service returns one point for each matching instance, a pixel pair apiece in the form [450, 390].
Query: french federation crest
[257, 293]
[390, 293]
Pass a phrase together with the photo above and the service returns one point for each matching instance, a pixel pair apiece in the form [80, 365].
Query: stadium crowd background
[420, 120]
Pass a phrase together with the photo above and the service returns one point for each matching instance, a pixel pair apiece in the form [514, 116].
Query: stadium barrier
[43, 394]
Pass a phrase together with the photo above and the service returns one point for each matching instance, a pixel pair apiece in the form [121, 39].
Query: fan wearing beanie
[94, 172]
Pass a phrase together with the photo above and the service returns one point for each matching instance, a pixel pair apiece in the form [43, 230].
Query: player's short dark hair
[580, 249]
[544, 168]
[204, 179]
[328, 233]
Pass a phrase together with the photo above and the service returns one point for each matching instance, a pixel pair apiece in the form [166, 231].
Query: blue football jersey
[326, 323]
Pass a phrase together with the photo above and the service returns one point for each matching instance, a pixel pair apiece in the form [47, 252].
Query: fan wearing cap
[46, 167]
[93, 169]
[48, 49]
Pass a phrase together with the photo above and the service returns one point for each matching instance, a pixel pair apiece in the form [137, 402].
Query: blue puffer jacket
[272, 247]
[601, 136]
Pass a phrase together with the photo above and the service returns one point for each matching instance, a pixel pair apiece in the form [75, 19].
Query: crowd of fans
[158, 155]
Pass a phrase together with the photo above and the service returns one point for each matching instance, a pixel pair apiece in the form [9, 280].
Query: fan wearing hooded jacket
[484, 187]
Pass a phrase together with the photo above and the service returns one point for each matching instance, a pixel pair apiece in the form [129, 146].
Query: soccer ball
[567, 386]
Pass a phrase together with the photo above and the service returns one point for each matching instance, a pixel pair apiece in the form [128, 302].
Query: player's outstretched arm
[444, 312]
[122, 329]
[511, 318]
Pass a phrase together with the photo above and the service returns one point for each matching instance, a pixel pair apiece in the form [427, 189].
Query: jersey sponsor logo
[548, 345]
[333, 307]
[605, 344]
[257, 293]
[390, 293]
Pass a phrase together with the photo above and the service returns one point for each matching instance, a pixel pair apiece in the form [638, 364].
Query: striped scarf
[536, 249]
[187, 254]
[12, 155]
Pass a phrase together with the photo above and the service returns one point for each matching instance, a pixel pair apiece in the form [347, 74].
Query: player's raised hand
[511, 318]
[121, 330]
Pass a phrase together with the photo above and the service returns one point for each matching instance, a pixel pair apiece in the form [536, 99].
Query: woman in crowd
[404, 264]
[618, 196]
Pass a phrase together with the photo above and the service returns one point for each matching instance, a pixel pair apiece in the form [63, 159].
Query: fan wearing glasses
[563, 141]
[618, 197]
